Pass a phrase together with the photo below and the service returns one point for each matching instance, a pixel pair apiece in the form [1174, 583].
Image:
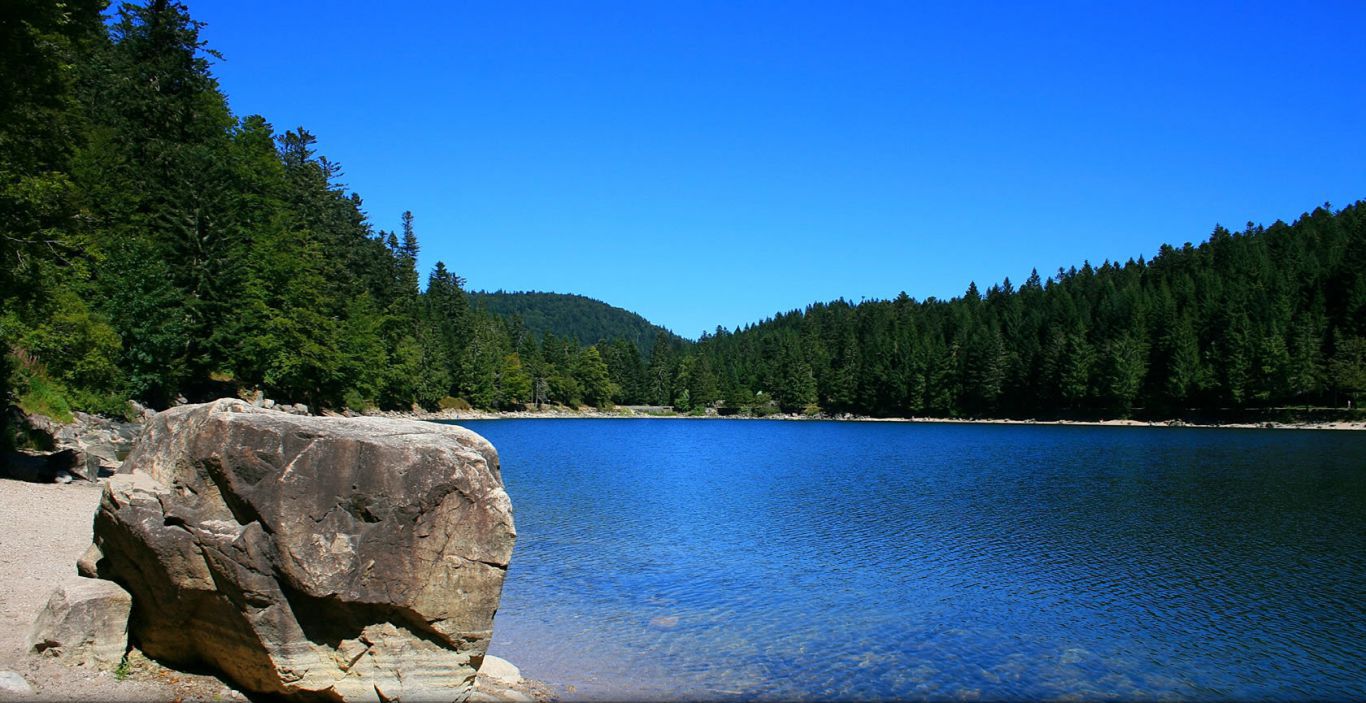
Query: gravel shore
[621, 413]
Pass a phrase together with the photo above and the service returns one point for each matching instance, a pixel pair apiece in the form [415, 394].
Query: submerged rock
[307, 557]
[664, 622]
[1073, 655]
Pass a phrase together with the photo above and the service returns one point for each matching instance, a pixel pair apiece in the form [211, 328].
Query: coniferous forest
[155, 246]
[583, 319]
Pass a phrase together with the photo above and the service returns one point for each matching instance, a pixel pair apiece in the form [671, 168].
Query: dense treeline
[1266, 317]
[577, 317]
[157, 246]
[153, 246]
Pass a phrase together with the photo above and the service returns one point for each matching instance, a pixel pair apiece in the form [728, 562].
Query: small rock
[500, 670]
[85, 622]
[88, 564]
[13, 683]
[500, 695]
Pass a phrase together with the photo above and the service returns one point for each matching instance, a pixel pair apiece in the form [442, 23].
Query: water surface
[741, 559]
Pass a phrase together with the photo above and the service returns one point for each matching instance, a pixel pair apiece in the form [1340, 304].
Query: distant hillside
[584, 319]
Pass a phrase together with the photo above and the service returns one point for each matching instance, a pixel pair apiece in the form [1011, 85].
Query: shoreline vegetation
[1328, 420]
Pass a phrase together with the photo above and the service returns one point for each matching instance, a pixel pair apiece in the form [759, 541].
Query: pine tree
[594, 382]
[701, 382]
[1347, 368]
[1125, 363]
[660, 372]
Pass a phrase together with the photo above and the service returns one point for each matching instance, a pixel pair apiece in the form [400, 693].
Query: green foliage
[78, 342]
[794, 387]
[354, 401]
[1348, 368]
[1122, 373]
[514, 382]
[37, 393]
[683, 403]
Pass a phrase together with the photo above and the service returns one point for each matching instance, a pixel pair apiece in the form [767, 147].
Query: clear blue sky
[708, 163]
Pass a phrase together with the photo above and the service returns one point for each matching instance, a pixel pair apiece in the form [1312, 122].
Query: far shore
[632, 413]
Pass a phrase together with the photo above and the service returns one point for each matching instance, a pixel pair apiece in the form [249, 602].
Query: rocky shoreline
[629, 413]
[72, 653]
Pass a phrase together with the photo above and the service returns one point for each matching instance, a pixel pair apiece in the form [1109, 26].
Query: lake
[735, 559]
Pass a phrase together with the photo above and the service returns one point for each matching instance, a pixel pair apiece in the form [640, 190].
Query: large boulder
[85, 623]
[355, 559]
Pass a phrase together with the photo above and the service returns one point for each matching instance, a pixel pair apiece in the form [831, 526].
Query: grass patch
[449, 403]
[40, 395]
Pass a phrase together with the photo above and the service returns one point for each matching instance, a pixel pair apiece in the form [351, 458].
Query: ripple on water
[752, 560]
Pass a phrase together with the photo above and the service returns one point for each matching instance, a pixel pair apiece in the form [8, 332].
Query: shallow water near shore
[742, 560]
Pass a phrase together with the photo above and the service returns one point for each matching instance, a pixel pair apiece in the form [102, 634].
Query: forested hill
[1261, 318]
[572, 316]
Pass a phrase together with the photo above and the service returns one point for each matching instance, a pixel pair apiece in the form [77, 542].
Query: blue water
[720, 559]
